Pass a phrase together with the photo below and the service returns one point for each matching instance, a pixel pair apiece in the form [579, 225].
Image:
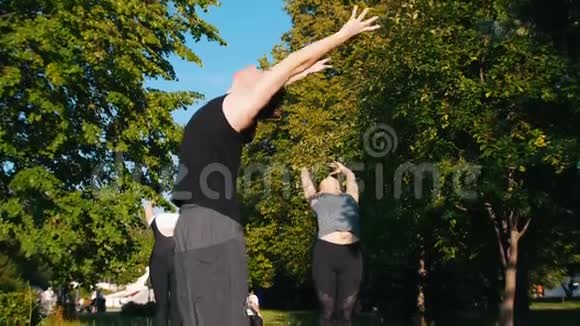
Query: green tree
[82, 140]
[482, 103]
[318, 127]
[470, 82]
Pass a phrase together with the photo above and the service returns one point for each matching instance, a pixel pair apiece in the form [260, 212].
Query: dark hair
[272, 109]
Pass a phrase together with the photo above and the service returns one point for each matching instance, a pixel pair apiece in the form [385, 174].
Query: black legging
[337, 271]
[162, 276]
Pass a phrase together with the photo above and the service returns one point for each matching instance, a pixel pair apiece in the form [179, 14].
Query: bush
[140, 310]
[10, 279]
[19, 308]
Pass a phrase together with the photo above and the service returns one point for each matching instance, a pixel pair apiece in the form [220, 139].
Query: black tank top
[163, 245]
[209, 161]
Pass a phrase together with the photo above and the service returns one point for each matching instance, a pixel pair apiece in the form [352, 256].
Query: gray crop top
[336, 213]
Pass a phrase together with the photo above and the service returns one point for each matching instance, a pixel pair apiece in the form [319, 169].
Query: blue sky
[250, 28]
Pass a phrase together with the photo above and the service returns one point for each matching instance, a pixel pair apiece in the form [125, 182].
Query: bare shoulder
[237, 110]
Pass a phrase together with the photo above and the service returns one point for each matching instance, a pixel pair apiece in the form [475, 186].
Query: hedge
[18, 308]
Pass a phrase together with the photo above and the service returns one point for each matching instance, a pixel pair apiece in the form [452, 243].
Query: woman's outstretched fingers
[371, 20]
[335, 168]
[369, 25]
[372, 28]
[354, 10]
[363, 14]
[320, 66]
[357, 25]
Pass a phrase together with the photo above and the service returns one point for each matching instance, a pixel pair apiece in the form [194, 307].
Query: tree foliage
[318, 127]
[483, 99]
[82, 139]
[478, 87]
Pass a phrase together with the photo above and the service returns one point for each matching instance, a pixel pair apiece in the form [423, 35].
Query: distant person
[253, 310]
[161, 266]
[99, 302]
[337, 266]
[48, 300]
[80, 304]
[211, 263]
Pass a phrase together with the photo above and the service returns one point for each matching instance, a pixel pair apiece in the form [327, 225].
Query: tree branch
[521, 234]
[6, 15]
[461, 208]
[504, 226]
[492, 215]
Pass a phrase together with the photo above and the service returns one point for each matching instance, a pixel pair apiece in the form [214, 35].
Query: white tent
[136, 292]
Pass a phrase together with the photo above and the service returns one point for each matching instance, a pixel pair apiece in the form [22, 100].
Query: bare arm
[307, 184]
[320, 65]
[255, 308]
[149, 212]
[242, 106]
[351, 184]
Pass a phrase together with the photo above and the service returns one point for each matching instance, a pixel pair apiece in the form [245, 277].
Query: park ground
[542, 314]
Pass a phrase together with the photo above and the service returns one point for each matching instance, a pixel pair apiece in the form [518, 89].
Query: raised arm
[242, 104]
[149, 212]
[307, 184]
[320, 65]
[255, 305]
[351, 184]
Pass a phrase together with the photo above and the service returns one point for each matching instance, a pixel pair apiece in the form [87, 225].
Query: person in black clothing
[161, 266]
[210, 261]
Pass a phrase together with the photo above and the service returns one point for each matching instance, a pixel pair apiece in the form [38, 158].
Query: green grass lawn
[543, 314]
[271, 318]
[305, 318]
[566, 305]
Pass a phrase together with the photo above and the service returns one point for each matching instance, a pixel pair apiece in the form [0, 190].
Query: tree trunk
[522, 303]
[506, 313]
[421, 273]
[508, 236]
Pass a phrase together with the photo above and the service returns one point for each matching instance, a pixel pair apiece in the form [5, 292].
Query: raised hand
[357, 25]
[320, 65]
[338, 168]
[149, 213]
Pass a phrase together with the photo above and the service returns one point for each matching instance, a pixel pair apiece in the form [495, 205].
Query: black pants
[211, 268]
[162, 274]
[337, 271]
[213, 284]
[256, 320]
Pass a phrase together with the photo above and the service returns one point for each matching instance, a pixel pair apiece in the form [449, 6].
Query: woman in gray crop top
[337, 259]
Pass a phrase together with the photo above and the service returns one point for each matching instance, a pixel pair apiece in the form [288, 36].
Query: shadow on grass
[568, 317]
[552, 317]
[538, 317]
[114, 319]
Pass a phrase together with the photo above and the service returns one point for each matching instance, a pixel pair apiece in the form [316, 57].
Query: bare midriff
[340, 238]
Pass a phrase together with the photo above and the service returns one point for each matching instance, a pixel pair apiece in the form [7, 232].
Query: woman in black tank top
[337, 266]
[161, 270]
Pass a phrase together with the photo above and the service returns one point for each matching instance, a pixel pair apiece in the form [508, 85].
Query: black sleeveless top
[209, 161]
[163, 245]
